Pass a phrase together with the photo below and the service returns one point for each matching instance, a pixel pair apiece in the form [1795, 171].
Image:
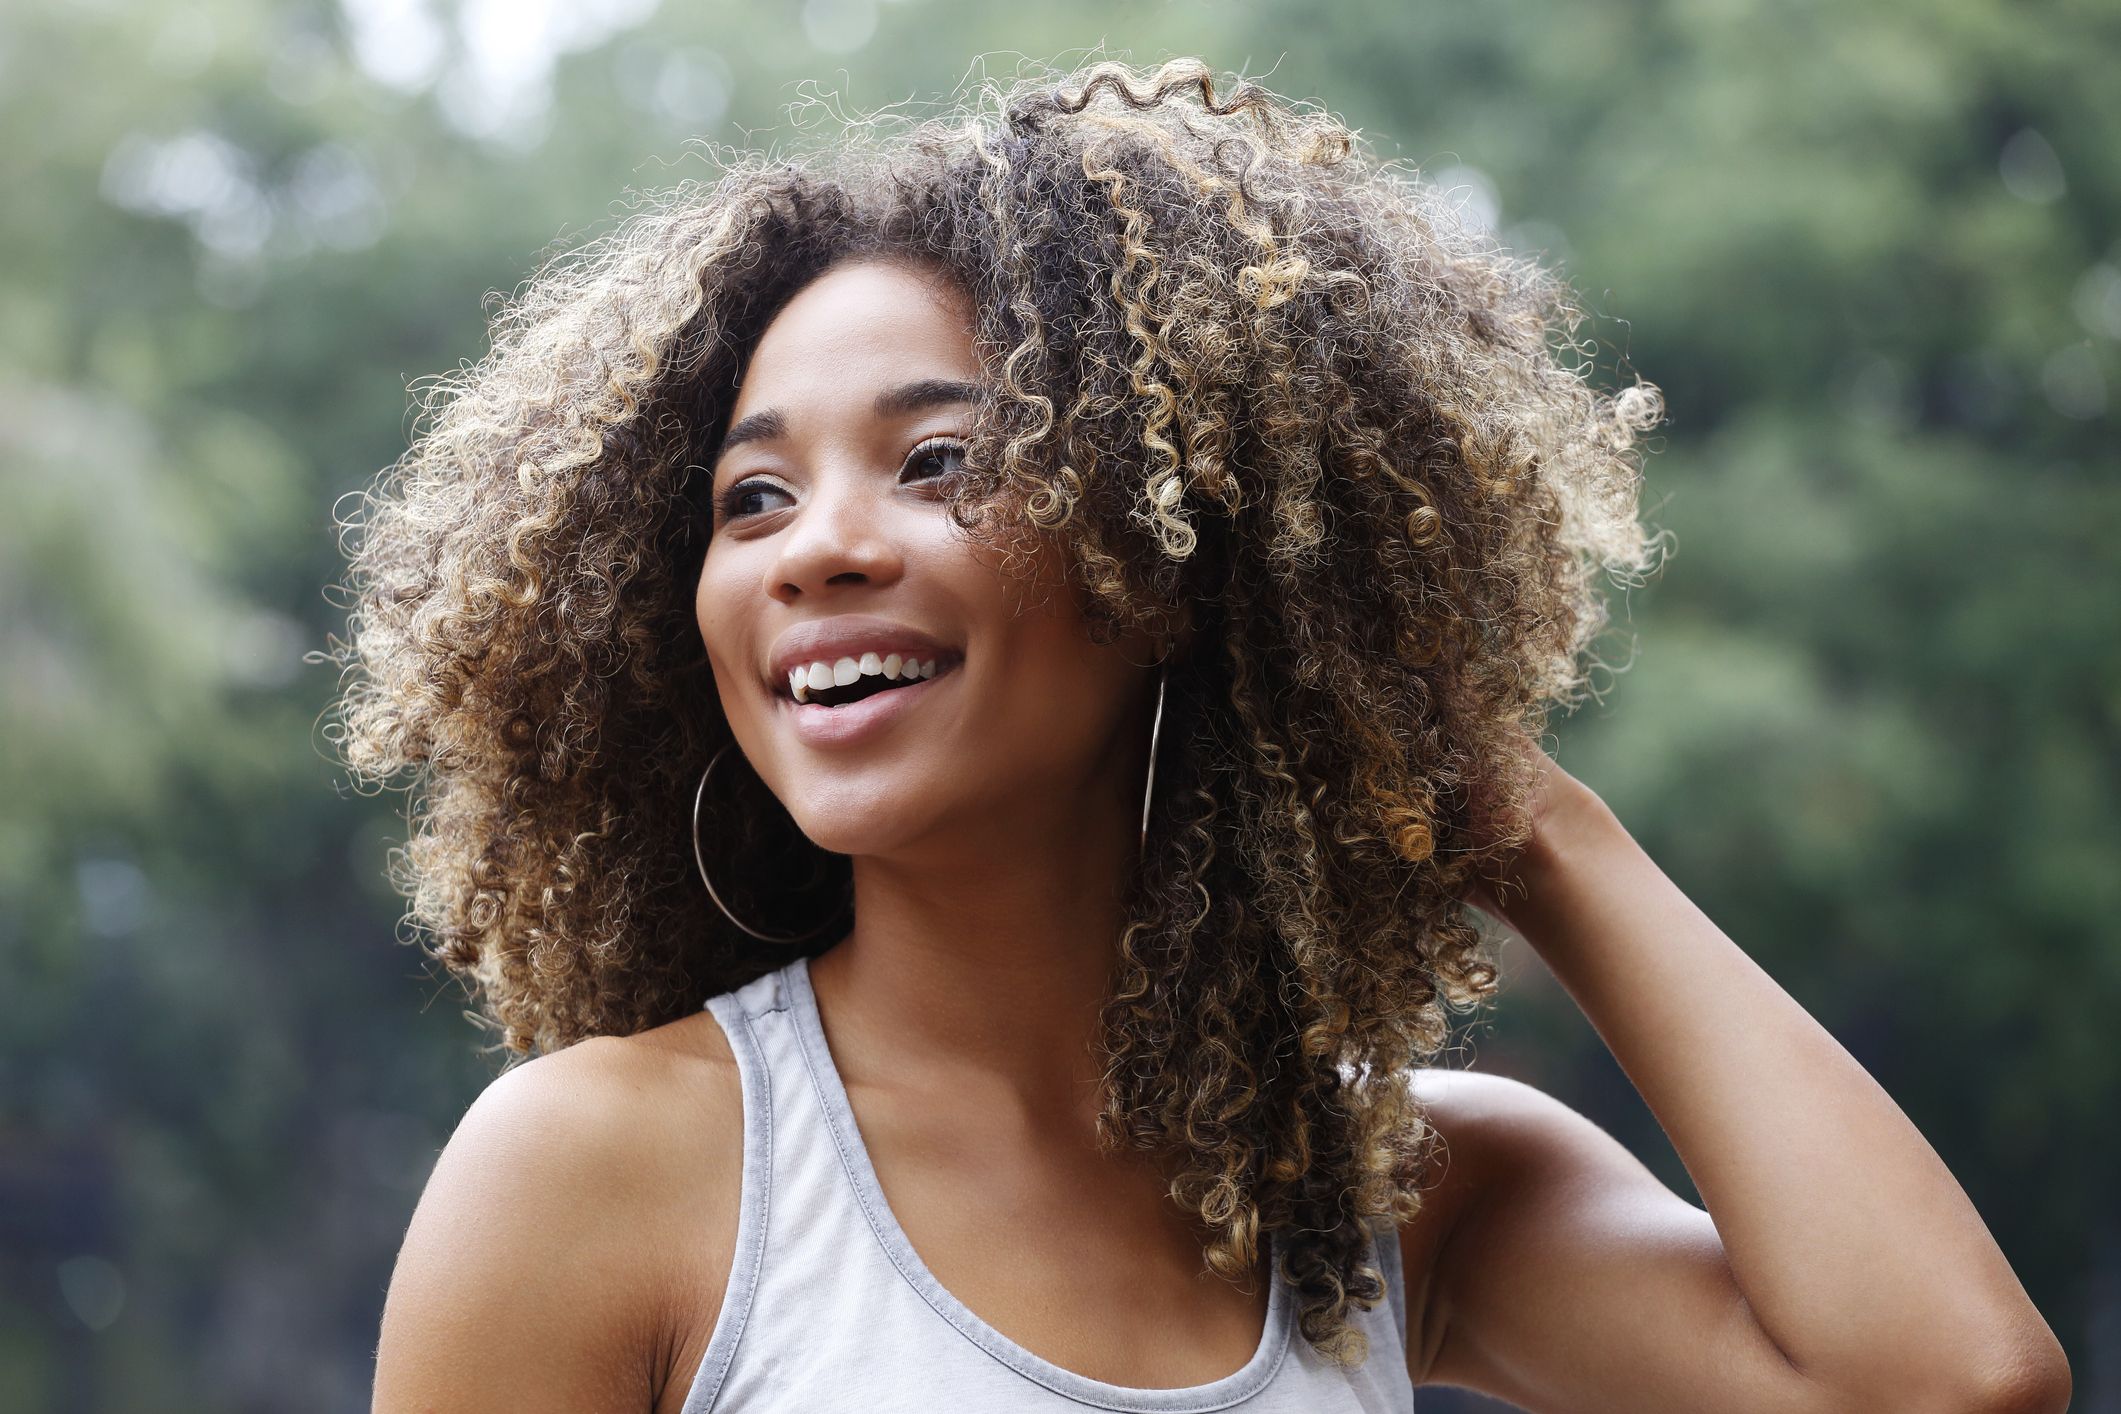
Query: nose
[840, 536]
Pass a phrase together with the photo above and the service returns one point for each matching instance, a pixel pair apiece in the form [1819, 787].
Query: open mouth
[852, 680]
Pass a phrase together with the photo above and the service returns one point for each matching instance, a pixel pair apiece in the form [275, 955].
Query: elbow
[2031, 1376]
[2031, 1380]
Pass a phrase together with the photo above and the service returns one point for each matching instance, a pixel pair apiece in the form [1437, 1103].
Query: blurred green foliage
[1867, 717]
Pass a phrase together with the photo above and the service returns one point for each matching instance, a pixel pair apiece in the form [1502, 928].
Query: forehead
[860, 326]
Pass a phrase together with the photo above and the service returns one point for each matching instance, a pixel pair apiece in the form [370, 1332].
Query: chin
[873, 824]
[855, 841]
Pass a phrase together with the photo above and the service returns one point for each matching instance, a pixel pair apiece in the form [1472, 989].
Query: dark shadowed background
[1867, 716]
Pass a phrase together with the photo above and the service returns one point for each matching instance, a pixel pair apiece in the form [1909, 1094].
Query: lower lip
[819, 725]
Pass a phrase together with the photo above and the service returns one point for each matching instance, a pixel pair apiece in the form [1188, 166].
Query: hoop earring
[700, 859]
[1156, 727]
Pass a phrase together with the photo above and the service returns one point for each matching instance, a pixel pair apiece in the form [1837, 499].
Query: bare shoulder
[1491, 1118]
[1487, 1127]
[1554, 1248]
[572, 1244]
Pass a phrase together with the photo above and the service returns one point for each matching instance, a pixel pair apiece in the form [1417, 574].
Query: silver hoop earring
[1156, 727]
[700, 859]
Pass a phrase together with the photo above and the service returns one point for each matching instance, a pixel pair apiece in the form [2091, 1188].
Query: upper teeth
[815, 677]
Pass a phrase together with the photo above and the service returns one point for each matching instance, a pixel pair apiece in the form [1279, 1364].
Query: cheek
[1065, 702]
[1058, 698]
[717, 611]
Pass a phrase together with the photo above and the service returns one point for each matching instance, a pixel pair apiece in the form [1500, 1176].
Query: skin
[573, 1244]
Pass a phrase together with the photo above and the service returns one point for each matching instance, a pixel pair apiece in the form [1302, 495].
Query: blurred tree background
[1867, 716]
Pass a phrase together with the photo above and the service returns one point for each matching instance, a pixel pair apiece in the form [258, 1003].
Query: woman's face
[891, 686]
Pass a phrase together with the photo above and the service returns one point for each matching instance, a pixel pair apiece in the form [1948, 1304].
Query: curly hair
[1262, 387]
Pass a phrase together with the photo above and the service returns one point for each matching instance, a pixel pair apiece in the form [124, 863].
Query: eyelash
[726, 504]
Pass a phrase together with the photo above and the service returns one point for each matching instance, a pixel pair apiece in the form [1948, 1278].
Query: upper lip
[850, 636]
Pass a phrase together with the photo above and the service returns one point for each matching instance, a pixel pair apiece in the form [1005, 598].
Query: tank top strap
[736, 1011]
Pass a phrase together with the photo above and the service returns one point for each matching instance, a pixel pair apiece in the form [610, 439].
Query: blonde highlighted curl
[1267, 391]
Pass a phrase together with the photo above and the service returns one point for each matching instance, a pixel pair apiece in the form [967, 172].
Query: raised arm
[1838, 1265]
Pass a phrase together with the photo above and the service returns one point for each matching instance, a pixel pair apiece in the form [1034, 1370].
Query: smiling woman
[833, 547]
[959, 689]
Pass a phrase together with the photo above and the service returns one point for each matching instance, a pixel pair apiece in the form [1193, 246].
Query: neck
[986, 959]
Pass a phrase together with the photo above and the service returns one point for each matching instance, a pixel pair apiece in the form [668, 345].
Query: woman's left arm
[1844, 1239]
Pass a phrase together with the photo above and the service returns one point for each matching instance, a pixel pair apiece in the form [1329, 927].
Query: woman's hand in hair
[1556, 804]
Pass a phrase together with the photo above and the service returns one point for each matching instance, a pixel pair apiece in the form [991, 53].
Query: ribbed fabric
[829, 1308]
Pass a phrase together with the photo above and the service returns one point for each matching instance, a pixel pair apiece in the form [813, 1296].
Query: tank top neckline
[1240, 1384]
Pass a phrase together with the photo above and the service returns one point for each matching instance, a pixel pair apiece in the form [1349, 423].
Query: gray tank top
[829, 1308]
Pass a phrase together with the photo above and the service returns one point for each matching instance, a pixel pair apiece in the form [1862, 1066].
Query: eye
[934, 460]
[742, 499]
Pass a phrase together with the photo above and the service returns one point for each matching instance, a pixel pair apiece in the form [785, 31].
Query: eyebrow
[897, 401]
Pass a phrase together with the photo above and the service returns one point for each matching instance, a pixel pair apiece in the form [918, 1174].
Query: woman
[962, 688]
